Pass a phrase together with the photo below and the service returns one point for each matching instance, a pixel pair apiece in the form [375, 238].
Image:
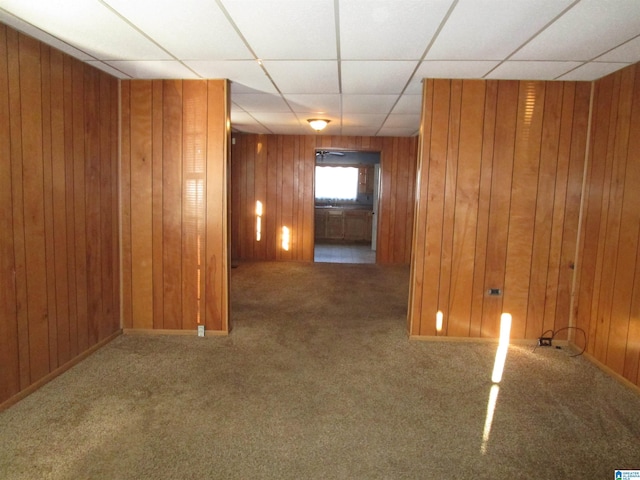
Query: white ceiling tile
[415, 86]
[402, 121]
[109, 69]
[150, 69]
[89, 26]
[279, 118]
[254, 102]
[381, 77]
[492, 29]
[368, 103]
[531, 70]
[586, 31]
[384, 30]
[626, 53]
[289, 130]
[309, 103]
[454, 69]
[362, 120]
[240, 116]
[243, 72]
[286, 29]
[21, 25]
[409, 104]
[359, 131]
[175, 25]
[592, 71]
[304, 77]
[398, 132]
[255, 128]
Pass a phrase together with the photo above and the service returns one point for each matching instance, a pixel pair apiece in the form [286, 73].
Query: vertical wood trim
[193, 200]
[141, 206]
[125, 202]
[466, 207]
[172, 156]
[217, 223]
[157, 203]
[420, 224]
[9, 348]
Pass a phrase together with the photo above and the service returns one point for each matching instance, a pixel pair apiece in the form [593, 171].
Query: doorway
[346, 189]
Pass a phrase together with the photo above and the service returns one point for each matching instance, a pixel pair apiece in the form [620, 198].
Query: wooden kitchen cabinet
[365, 180]
[335, 224]
[356, 225]
[320, 223]
[349, 225]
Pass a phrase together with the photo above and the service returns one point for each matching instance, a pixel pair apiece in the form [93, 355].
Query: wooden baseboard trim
[193, 333]
[57, 372]
[626, 382]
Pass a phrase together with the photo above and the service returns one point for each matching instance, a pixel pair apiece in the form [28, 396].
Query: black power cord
[555, 332]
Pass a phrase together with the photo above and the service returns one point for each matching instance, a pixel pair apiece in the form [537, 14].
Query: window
[337, 183]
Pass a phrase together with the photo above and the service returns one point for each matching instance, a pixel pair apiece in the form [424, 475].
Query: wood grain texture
[9, 357]
[216, 254]
[141, 204]
[278, 170]
[52, 302]
[174, 181]
[492, 149]
[608, 269]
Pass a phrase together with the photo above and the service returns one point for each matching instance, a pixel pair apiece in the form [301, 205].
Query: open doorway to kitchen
[346, 206]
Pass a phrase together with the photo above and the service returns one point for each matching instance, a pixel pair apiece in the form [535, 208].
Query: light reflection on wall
[258, 220]
[496, 377]
[439, 320]
[285, 239]
[194, 226]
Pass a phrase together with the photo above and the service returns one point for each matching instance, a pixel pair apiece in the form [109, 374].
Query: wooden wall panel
[52, 305]
[278, 170]
[486, 213]
[608, 270]
[9, 357]
[466, 191]
[174, 209]
[171, 214]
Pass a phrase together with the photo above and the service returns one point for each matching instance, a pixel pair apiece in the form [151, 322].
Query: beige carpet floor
[318, 381]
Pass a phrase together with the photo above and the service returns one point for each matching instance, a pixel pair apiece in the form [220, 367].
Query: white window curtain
[336, 183]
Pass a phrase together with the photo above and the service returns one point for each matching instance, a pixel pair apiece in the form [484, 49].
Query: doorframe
[377, 188]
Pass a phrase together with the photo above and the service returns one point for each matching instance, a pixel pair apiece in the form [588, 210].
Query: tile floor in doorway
[326, 253]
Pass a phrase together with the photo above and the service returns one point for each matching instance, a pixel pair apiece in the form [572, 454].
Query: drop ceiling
[358, 63]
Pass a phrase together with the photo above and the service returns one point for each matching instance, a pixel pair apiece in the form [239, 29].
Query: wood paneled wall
[278, 170]
[500, 177]
[174, 204]
[607, 305]
[59, 288]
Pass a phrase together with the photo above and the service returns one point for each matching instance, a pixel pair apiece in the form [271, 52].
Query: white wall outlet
[201, 330]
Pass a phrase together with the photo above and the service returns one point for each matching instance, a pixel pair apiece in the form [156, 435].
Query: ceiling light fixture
[318, 123]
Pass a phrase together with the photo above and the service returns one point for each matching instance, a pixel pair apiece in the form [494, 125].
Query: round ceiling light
[318, 123]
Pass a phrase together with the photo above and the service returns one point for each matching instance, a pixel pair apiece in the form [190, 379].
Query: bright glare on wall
[258, 220]
[439, 319]
[285, 239]
[336, 183]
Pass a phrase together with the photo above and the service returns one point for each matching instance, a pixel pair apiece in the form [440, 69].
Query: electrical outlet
[201, 330]
[544, 341]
